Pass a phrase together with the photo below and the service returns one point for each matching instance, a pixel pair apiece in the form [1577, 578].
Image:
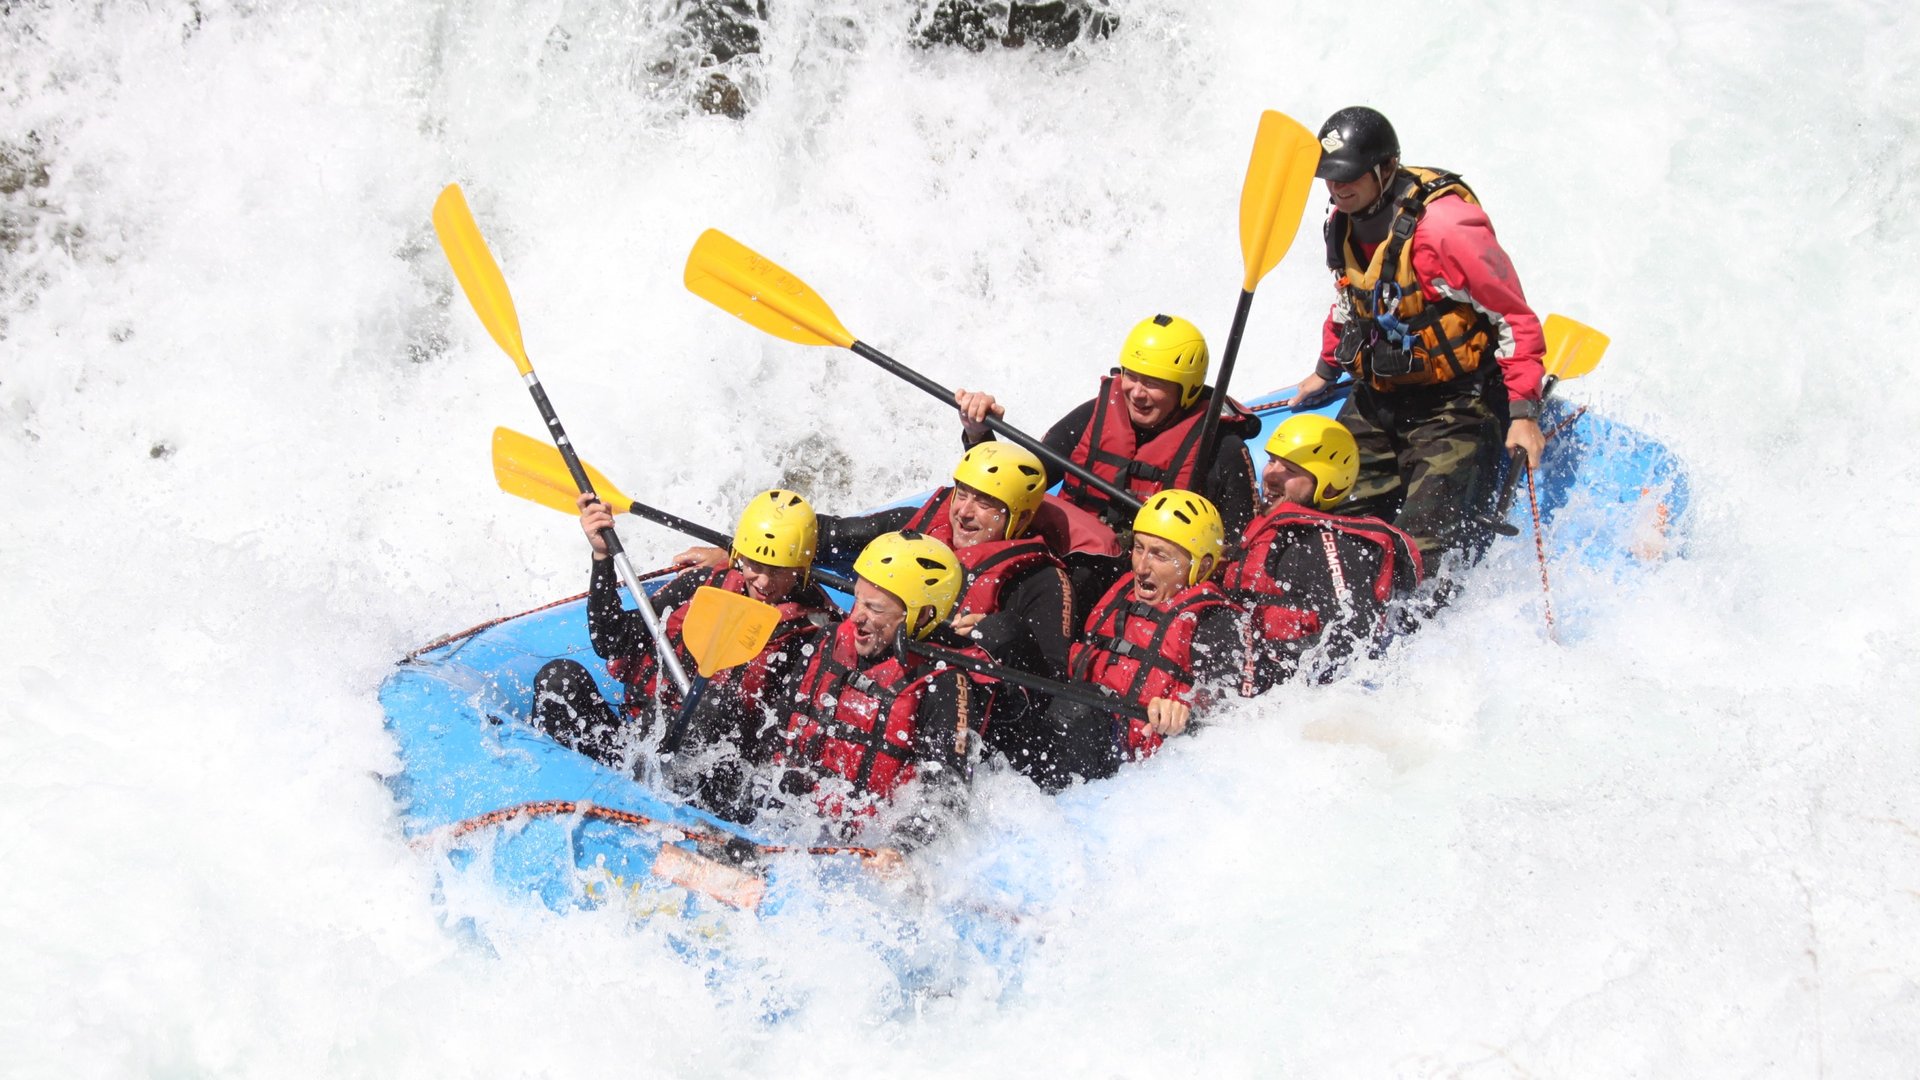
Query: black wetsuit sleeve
[1034, 625]
[616, 632]
[1231, 484]
[843, 538]
[1061, 438]
[1218, 646]
[950, 714]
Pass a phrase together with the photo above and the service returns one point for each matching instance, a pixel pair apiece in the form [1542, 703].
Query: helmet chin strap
[1384, 173]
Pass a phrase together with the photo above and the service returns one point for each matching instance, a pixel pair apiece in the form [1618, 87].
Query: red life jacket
[1068, 529]
[989, 565]
[1281, 613]
[860, 723]
[646, 683]
[1250, 580]
[1110, 448]
[1143, 651]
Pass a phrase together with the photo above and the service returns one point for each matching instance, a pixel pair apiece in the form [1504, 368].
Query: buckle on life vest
[1393, 356]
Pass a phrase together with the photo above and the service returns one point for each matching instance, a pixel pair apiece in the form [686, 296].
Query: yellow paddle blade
[740, 281]
[726, 629]
[1274, 198]
[1573, 348]
[532, 469]
[479, 275]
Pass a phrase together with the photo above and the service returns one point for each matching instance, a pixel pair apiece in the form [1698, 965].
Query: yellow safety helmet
[918, 570]
[1186, 519]
[777, 528]
[1168, 347]
[1010, 473]
[1325, 448]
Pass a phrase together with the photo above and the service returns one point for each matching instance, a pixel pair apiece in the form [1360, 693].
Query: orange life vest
[1435, 342]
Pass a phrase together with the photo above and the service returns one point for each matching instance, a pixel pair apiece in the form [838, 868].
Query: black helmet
[1354, 140]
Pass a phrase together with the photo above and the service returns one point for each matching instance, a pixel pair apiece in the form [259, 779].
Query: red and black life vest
[860, 723]
[1143, 651]
[989, 565]
[1276, 614]
[1286, 611]
[1110, 448]
[646, 683]
[1449, 337]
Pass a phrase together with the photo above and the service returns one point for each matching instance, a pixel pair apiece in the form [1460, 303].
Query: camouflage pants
[1428, 458]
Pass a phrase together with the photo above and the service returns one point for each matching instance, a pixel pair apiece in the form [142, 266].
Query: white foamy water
[243, 431]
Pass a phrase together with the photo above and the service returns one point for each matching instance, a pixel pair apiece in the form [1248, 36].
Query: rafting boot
[567, 706]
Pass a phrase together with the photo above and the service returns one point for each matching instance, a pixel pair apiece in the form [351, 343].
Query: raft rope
[1539, 536]
[491, 623]
[1540, 552]
[571, 807]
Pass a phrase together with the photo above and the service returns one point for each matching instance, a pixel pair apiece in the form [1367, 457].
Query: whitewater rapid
[243, 437]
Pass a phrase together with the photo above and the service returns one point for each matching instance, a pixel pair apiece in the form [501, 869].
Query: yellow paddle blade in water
[740, 281]
[532, 469]
[1274, 198]
[479, 275]
[1573, 348]
[725, 629]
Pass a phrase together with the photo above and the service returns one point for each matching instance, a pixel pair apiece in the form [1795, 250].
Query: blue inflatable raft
[490, 795]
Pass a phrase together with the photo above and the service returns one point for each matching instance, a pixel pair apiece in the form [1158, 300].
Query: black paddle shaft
[1086, 695]
[1001, 427]
[565, 446]
[1210, 423]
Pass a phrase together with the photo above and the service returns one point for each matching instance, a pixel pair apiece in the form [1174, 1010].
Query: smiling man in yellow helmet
[875, 729]
[1141, 432]
[1308, 576]
[1165, 628]
[773, 549]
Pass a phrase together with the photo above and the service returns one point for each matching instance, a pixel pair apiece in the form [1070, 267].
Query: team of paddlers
[1221, 584]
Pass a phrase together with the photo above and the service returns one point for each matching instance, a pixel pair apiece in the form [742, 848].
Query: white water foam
[243, 423]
